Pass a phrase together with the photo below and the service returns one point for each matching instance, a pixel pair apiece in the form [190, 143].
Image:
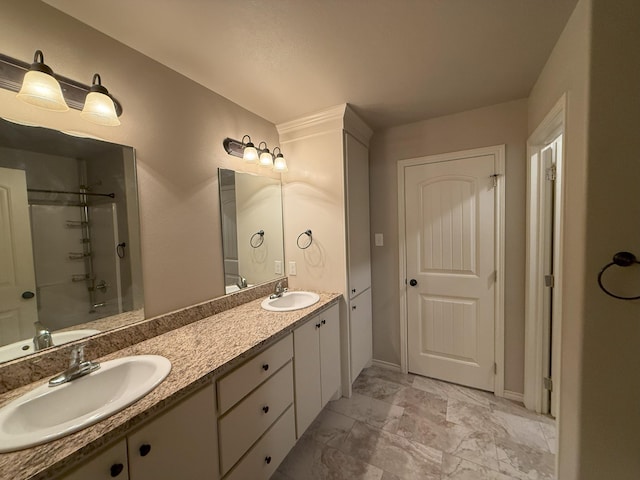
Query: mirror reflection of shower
[72, 206]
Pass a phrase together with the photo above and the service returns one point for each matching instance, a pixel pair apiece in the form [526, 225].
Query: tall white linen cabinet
[326, 190]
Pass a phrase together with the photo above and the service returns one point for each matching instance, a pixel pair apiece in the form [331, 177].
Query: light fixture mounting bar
[12, 73]
[236, 147]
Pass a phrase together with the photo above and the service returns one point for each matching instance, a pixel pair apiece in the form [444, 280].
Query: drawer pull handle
[265, 409]
[267, 460]
[324, 322]
[116, 469]
[145, 448]
[354, 307]
[353, 290]
[265, 367]
[318, 325]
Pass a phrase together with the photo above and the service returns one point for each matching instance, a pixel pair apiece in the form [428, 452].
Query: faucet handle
[77, 355]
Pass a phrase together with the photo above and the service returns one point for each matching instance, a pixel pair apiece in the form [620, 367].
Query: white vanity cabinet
[107, 465]
[256, 423]
[317, 365]
[179, 443]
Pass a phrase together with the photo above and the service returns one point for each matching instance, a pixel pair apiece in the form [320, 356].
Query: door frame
[498, 151]
[553, 124]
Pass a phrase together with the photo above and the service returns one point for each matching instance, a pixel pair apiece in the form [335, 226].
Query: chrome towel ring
[257, 239]
[621, 259]
[310, 240]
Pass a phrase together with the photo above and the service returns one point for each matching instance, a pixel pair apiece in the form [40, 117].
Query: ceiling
[394, 61]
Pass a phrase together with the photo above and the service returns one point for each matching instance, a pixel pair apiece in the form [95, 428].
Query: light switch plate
[278, 267]
[379, 240]
[292, 268]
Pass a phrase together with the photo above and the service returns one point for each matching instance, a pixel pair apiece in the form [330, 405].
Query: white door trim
[499, 152]
[552, 125]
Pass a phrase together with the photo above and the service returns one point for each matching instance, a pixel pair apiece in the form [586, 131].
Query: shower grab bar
[78, 255]
[66, 192]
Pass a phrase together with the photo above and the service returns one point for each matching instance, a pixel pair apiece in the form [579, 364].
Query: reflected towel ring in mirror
[621, 259]
[310, 238]
[257, 239]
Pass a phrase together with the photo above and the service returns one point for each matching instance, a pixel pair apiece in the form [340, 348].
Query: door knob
[27, 295]
[413, 282]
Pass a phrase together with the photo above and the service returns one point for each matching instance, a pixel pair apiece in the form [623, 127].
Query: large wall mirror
[252, 231]
[69, 238]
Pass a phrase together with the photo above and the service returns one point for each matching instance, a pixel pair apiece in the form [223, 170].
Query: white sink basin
[25, 347]
[47, 413]
[290, 301]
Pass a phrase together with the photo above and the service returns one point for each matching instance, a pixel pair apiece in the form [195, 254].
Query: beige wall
[610, 387]
[567, 70]
[177, 128]
[499, 124]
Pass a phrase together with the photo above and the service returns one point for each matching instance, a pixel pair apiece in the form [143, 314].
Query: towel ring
[257, 239]
[308, 234]
[621, 259]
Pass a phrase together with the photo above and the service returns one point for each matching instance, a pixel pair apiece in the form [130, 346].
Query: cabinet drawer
[265, 456]
[235, 385]
[248, 420]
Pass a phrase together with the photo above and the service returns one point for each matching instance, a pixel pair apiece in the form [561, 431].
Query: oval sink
[47, 413]
[25, 347]
[290, 301]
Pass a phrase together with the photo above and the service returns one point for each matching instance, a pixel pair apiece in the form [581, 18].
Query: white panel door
[17, 313]
[450, 264]
[361, 332]
[308, 387]
[329, 353]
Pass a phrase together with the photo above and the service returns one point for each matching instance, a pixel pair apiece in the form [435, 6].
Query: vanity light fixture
[266, 159]
[37, 85]
[249, 152]
[279, 163]
[98, 106]
[40, 88]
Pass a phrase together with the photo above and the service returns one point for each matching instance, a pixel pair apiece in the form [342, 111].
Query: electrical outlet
[292, 268]
[278, 267]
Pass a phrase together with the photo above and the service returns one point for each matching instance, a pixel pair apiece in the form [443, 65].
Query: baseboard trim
[515, 396]
[387, 365]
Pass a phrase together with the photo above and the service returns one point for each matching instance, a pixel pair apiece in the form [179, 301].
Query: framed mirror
[69, 238]
[252, 230]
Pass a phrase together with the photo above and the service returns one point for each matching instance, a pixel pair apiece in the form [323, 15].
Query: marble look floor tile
[524, 462]
[280, 476]
[330, 428]
[475, 446]
[454, 468]
[521, 430]
[374, 412]
[550, 434]
[390, 476]
[378, 388]
[389, 374]
[311, 460]
[392, 453]
[452, 391]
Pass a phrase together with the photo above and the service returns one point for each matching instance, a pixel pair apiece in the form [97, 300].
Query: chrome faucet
[278, 291]
[78, 367]
[241, 283]
[43, 338]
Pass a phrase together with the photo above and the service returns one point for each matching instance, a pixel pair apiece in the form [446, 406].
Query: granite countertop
[198, 352]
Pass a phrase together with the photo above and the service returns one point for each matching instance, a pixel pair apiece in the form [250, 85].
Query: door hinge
[551, 173]
[495, 368]
[494, 179]
[547, 383]
[549, 281]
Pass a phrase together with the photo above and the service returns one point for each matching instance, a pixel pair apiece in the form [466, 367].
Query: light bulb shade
[250, 153]
[99, 109]
[280, 164]
[266, 159]
[42, 90]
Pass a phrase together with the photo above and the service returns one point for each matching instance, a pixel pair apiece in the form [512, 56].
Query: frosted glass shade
[266, 160]
[99, 109]
[250, 154]
[280, 164]
[42, 90]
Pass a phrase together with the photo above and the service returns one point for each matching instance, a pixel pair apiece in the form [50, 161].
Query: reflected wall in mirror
[69, 238]
[252, 231]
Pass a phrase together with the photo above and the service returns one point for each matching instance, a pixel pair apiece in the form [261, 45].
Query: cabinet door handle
[145, 448]
[267, 460]
[27, 295]
[318, 325]
[265, 409]
[323, 322]
[116, 469]
[353, 290]
[265, 367]
[353, 307]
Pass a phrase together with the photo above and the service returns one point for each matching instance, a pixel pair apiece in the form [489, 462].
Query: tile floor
[399, 426]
